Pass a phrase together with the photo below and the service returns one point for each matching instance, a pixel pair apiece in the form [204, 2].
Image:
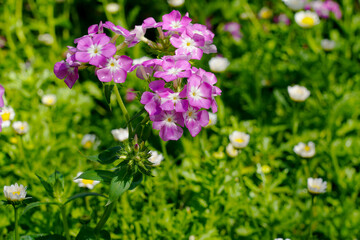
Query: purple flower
[2, 91]
[151, 23]
[169, 124]
[323, 9]
[130, 95]
[115, 69]
[282, 18]
[171, 100]
[93, 29]
[195, 119]
[333, 7]
[67, 69]
[208, 37]
[186, 44]
[174, 22]
[234, 29]
[117, 29]
[151, 100]
[95, 50]
[173, 70]
[199, 93]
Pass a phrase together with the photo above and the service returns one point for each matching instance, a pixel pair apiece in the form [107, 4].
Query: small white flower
[141, 60]
[88, 141]
[175, 3]
[112, 7]
[46, 38]
[265, 13]
[295, 4]
[120, 134]
[327, 44]
[7, 114]
[90, 184]
[316, 185]
[305, 150]
[48, 99]
[239, 139]
[231, 151]
[298, 93]
[15, 192]
[218, 64]
[306, 19]
[212, 119]
[20, 127]
[192, 237]
[156, 158]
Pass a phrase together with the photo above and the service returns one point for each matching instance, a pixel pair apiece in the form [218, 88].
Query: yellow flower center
[307, 148]
[188, 44]
[87, 181]
[13, 140]
[190, 114]
[266, 14]
[16, 192]
[239, 140]
[5, 116]
[50, 101]
[169, 120]
[88, 144]
[308, 21]
[22, 127]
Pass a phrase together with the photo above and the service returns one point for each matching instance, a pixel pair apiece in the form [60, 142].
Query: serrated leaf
[119, 184]
[137, 179]
[85, 194]
[36, 204]
[49, 189]
[98, 175]
[108, 156]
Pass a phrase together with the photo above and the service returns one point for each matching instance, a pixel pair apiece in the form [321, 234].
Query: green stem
[105, 216]
[65, 223]
[16, 229]
[123, 109]
[295, 124]
[311, 216]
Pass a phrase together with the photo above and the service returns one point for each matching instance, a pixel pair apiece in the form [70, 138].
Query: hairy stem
[16, 228]
[124, 110]
[65, 223]
[105, 216]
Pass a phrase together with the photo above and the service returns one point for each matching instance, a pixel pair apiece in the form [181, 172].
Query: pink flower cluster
[179, 94]
[2, 90]
[323, 9]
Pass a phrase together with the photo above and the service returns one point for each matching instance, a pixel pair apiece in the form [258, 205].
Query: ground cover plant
[180, 120]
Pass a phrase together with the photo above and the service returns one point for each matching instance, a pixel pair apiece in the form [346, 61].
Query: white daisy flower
[90, 184]
[265, 13]
[156, 158]
[327, 44]
[316, 185]
[239, 139]
[218, 64]
[120, 134]
[175, 3]
[298, 93]
[20, 127]
[112, 7]
[212, 119]
[48, 99]
[305, 150]
[46, 38]
[7, 114]
[231, 151]
[15, 192]
[295, 4]
[306, 19]
[88, 141]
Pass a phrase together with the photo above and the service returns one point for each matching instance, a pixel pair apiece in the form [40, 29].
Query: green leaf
[98, 175]
[108, 156]
[137, 179]
[85, 194]
[107, 92]
[36, 204]
[86, 233]
[119, 184]
[49, 189]
[49, 237]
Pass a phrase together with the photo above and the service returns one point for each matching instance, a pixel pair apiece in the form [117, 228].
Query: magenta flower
[115, 69]
[169, 124]
[234, 29]
[333, 7]
[186, 44]
[2, 91]
[171, 100]
[199, 93]
[130, 95]
[174, 22]
[195, 119]
[174, 70]
[151, 100]
[282, 18]
[151, 23]
[67, 69]
[93, 29]
[117, 29]
[95, 50]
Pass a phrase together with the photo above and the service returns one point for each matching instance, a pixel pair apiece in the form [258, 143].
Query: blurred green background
[197, 191]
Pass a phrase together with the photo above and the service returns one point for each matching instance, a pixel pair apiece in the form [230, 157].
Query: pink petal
[108, 50]
[84, 43]
[82, 56]
[119, 76]
[104, 75]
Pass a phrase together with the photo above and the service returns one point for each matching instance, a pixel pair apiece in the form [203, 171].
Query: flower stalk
[105, 217]
[65, 223]
[16, 228]
[123, 109]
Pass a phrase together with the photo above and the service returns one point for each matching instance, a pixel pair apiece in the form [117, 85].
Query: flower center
[239, 140]
[94, 50]
[174, 71]
[22, 128]
[175, 24]
[88, 144]
[308, 21]
[307, 148]
[5, 116]
[87, 181]
[16, 192]
[169, 120]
